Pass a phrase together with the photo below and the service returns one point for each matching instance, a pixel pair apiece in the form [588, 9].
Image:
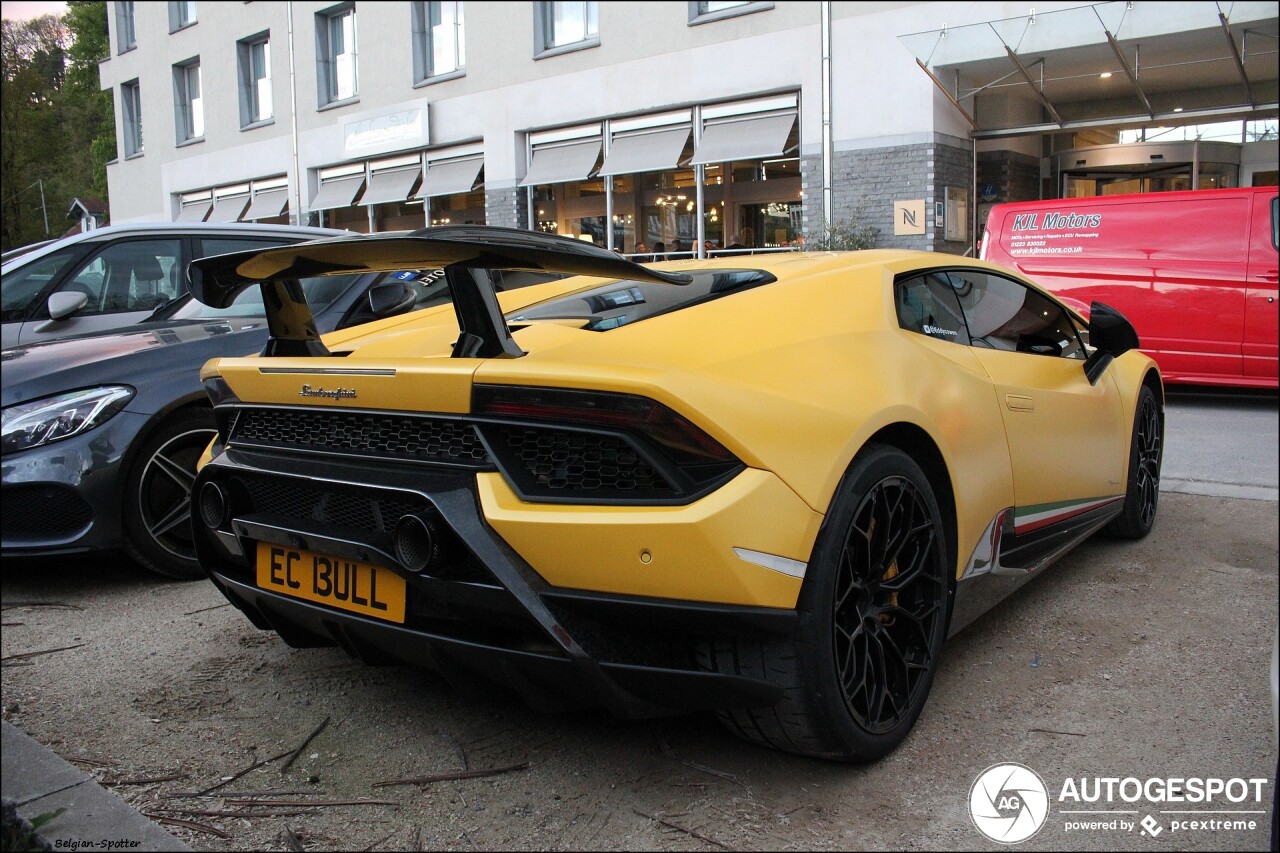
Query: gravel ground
[1143, 660]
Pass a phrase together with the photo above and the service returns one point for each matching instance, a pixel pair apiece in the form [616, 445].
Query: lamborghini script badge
[333, 394]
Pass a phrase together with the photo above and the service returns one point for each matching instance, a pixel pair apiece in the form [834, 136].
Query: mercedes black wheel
[157, 496]
[1142, 495]
[873, 614]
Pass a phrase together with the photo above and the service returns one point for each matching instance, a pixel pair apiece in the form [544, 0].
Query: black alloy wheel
[889, 606]
[157, 501]
[873, 615]
[1146, 452]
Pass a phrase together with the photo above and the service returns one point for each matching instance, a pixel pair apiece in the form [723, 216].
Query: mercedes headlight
[27, 425]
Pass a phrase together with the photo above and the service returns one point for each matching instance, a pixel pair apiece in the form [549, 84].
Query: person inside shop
[660, 251]
[641, 255]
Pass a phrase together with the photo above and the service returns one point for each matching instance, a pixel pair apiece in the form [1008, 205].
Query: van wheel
[157, 495]
[873, 615]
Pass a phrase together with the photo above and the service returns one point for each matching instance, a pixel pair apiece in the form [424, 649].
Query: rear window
[623, 302]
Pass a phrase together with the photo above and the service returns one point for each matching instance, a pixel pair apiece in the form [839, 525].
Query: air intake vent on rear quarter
[572, 446]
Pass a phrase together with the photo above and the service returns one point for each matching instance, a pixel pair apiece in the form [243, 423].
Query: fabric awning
[563, 163]
[194, 212]
[229, 208]
[645, 152]
[455, 176]
[391, 185]
[337, 193]
[268, 204]
[744, 139]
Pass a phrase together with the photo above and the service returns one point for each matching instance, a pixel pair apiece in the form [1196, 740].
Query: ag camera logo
[1008, 803]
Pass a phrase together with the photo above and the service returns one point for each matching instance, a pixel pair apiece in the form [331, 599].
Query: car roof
[184, 229]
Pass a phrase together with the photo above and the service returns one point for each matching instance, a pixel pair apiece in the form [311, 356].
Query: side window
[135, 276]
[227, 245]
[23, 287]
[1007, 315]
[928, 306]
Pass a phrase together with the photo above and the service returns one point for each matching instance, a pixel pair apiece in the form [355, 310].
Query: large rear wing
[465, 252]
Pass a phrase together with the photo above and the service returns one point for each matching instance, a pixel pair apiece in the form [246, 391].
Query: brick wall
[869, 180]
[507, 207]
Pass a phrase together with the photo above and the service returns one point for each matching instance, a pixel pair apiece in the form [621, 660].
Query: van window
[1007, 315]
[1275, 222]
[928, 306]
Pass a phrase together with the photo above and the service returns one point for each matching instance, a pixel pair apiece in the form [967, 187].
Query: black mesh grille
[366, 511]
[43, 512]
[553, 461]
[362, 434]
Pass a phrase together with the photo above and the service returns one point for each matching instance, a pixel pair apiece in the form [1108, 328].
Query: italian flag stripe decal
[1032, 518]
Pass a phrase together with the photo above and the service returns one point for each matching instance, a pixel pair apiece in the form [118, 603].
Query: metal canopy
[391, 185]
[1110, 64]
[744, 139]
[268, 204]
[562, 163]
[450, 177]
[339, 192]
[645, 152]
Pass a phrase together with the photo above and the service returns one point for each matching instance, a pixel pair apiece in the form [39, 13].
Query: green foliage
[843, 235]
[57, 128]
[19, 834]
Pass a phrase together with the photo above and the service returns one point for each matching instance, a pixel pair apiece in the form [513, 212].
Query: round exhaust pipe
[213, 505]
[417, 542]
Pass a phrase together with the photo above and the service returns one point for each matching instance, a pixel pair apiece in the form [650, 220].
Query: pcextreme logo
[1010, 803]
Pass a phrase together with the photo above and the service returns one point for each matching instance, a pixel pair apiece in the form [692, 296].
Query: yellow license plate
[336, 581]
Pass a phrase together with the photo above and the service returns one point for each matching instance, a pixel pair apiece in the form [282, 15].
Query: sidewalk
[38, 781]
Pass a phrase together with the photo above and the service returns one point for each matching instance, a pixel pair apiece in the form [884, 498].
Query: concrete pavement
[39, 782]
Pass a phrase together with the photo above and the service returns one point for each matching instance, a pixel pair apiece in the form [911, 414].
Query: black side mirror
[388, 300]
[1112, 335]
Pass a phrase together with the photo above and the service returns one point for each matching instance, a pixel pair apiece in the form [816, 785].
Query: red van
[1195, 272]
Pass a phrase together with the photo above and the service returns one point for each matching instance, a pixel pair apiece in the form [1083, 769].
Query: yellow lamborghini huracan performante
[765, 485]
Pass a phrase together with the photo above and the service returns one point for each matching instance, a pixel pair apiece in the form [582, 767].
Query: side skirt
[1018, 545]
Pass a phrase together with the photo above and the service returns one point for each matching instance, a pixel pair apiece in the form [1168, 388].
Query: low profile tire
[873, 614]
[1142, 495]
[157, 495]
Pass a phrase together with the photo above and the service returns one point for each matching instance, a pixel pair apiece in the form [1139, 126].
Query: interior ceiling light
[1104, 75]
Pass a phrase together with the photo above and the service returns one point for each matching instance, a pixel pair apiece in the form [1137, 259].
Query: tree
[57, 128]
[90, 105]
[33, 64]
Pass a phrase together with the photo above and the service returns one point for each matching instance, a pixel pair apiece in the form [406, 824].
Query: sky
[21, 11]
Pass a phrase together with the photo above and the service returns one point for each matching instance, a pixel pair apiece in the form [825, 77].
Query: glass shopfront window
[456, 209]
[749, 199]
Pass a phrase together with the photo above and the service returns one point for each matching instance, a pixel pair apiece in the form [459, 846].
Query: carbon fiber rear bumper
[486, 615]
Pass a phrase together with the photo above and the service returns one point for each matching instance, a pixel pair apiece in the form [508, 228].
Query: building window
[131, 112]
[255, 79]
[439, 46]
[336, 48]
[126, 38]
[718, 10]
[181, 14]
[188, 103]
[562, 27]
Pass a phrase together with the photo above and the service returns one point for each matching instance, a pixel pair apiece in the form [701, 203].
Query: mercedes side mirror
[65, 303]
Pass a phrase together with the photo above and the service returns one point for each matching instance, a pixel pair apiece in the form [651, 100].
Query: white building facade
[691, 124]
